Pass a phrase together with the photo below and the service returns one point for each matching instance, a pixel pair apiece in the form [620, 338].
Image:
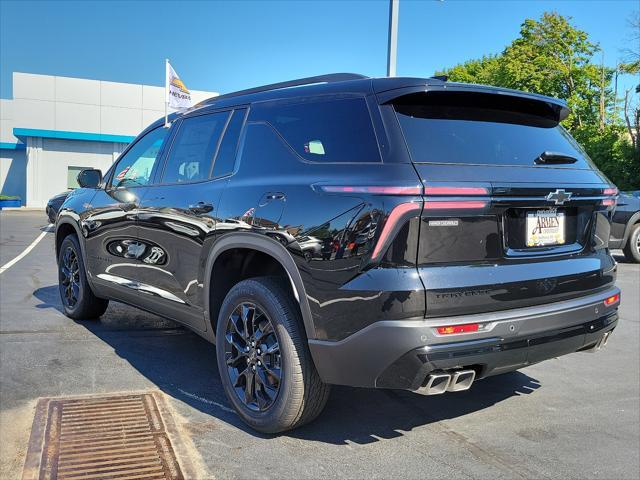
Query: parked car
[399, 233]
[625, 228]
[54, 204]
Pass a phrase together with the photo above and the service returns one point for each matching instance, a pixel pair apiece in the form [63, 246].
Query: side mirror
[89, 178]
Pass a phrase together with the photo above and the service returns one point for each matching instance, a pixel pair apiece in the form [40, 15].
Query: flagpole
[166, 92]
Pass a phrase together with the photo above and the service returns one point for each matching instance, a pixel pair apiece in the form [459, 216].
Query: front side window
[193, 148]
[135, 167]
[335, 130]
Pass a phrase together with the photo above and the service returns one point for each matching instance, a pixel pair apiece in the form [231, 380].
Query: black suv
[401, 233]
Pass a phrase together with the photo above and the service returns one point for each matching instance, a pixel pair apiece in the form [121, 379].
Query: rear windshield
[474, 130]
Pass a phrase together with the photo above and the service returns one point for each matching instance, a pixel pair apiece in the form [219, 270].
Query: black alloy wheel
[78, 299]
[252, 355]
[70, 277]
[263, 357]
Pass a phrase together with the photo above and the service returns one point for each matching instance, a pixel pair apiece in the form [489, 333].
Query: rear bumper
[400, 354]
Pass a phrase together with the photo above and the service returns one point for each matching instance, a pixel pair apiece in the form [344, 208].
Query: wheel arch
[64, 227]
[264, 245]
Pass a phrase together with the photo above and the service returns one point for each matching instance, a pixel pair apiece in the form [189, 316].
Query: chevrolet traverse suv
[400, 233]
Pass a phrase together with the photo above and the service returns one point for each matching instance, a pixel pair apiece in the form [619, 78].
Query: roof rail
[328, 78]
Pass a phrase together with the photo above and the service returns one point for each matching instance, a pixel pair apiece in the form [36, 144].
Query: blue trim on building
[12, 146]
[22, 133]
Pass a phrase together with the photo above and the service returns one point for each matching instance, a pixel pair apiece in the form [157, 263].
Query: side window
[135, 167]
[226, 158]
[193, 148]
[337, 130]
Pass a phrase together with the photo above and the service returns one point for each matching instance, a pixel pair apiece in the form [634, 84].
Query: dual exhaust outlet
[600, 343]
[453, 381]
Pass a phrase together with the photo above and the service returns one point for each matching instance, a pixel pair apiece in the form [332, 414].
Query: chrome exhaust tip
[437, 383]
[461, 380]
[600, 343]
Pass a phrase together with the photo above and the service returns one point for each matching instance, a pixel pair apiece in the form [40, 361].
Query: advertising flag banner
[178, 96]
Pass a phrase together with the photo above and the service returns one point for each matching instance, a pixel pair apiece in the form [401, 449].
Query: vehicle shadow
[620, 258]
[183, 366]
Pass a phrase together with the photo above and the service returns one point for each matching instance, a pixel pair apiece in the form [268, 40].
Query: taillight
[467, 328]
[437, 197]
[395, 216]
[613, 192]
[456, 191]
[435, 200]
[454, 205]
[613, 299]
[373, 189]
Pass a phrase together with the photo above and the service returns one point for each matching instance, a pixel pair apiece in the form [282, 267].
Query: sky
[224, 46]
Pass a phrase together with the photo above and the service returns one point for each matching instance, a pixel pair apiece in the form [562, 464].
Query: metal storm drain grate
[111, 437]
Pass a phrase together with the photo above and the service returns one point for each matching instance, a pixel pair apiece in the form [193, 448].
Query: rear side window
[226, 158]
[337, 130]
[480, 130]
[193, 148]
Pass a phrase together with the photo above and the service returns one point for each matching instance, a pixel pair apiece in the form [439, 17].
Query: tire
[272, 405]
[632, 248]
[76, 295]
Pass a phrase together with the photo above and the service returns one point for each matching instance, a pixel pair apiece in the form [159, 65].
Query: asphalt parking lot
[573, 417]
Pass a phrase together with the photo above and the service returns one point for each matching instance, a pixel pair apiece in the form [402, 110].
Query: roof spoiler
[556, 109]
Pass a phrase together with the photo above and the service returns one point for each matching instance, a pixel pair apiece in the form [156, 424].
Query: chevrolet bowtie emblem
[559, 196]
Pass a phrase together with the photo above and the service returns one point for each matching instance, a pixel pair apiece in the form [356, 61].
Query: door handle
[201, 207]
[275, 196]
[271, 196]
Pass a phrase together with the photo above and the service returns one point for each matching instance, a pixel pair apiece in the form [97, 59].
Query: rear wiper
[555, 158]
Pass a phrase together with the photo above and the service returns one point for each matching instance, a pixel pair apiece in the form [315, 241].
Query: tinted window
[226, 158]
[445, 132]
[325, 131]
[136, 166]
[193, 149]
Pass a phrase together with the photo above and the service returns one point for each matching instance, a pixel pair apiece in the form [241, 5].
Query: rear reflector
[454, 191]
[609, 202]
[468, 328]
[612, 299]
[469, 204]
[374, 190]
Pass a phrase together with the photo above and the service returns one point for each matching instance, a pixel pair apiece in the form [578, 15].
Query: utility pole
[392, 52]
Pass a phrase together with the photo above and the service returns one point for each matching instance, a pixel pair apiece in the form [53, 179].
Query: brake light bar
[373, 189]
[612, 300]
[407, 190]
[468, 204]
[456, 191]
[467, 328]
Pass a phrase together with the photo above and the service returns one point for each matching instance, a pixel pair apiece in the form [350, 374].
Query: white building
[56, 126]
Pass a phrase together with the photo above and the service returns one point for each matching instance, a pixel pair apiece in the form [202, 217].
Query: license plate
[545, 227]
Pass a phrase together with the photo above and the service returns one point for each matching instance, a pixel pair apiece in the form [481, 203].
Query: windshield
[445, 130]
